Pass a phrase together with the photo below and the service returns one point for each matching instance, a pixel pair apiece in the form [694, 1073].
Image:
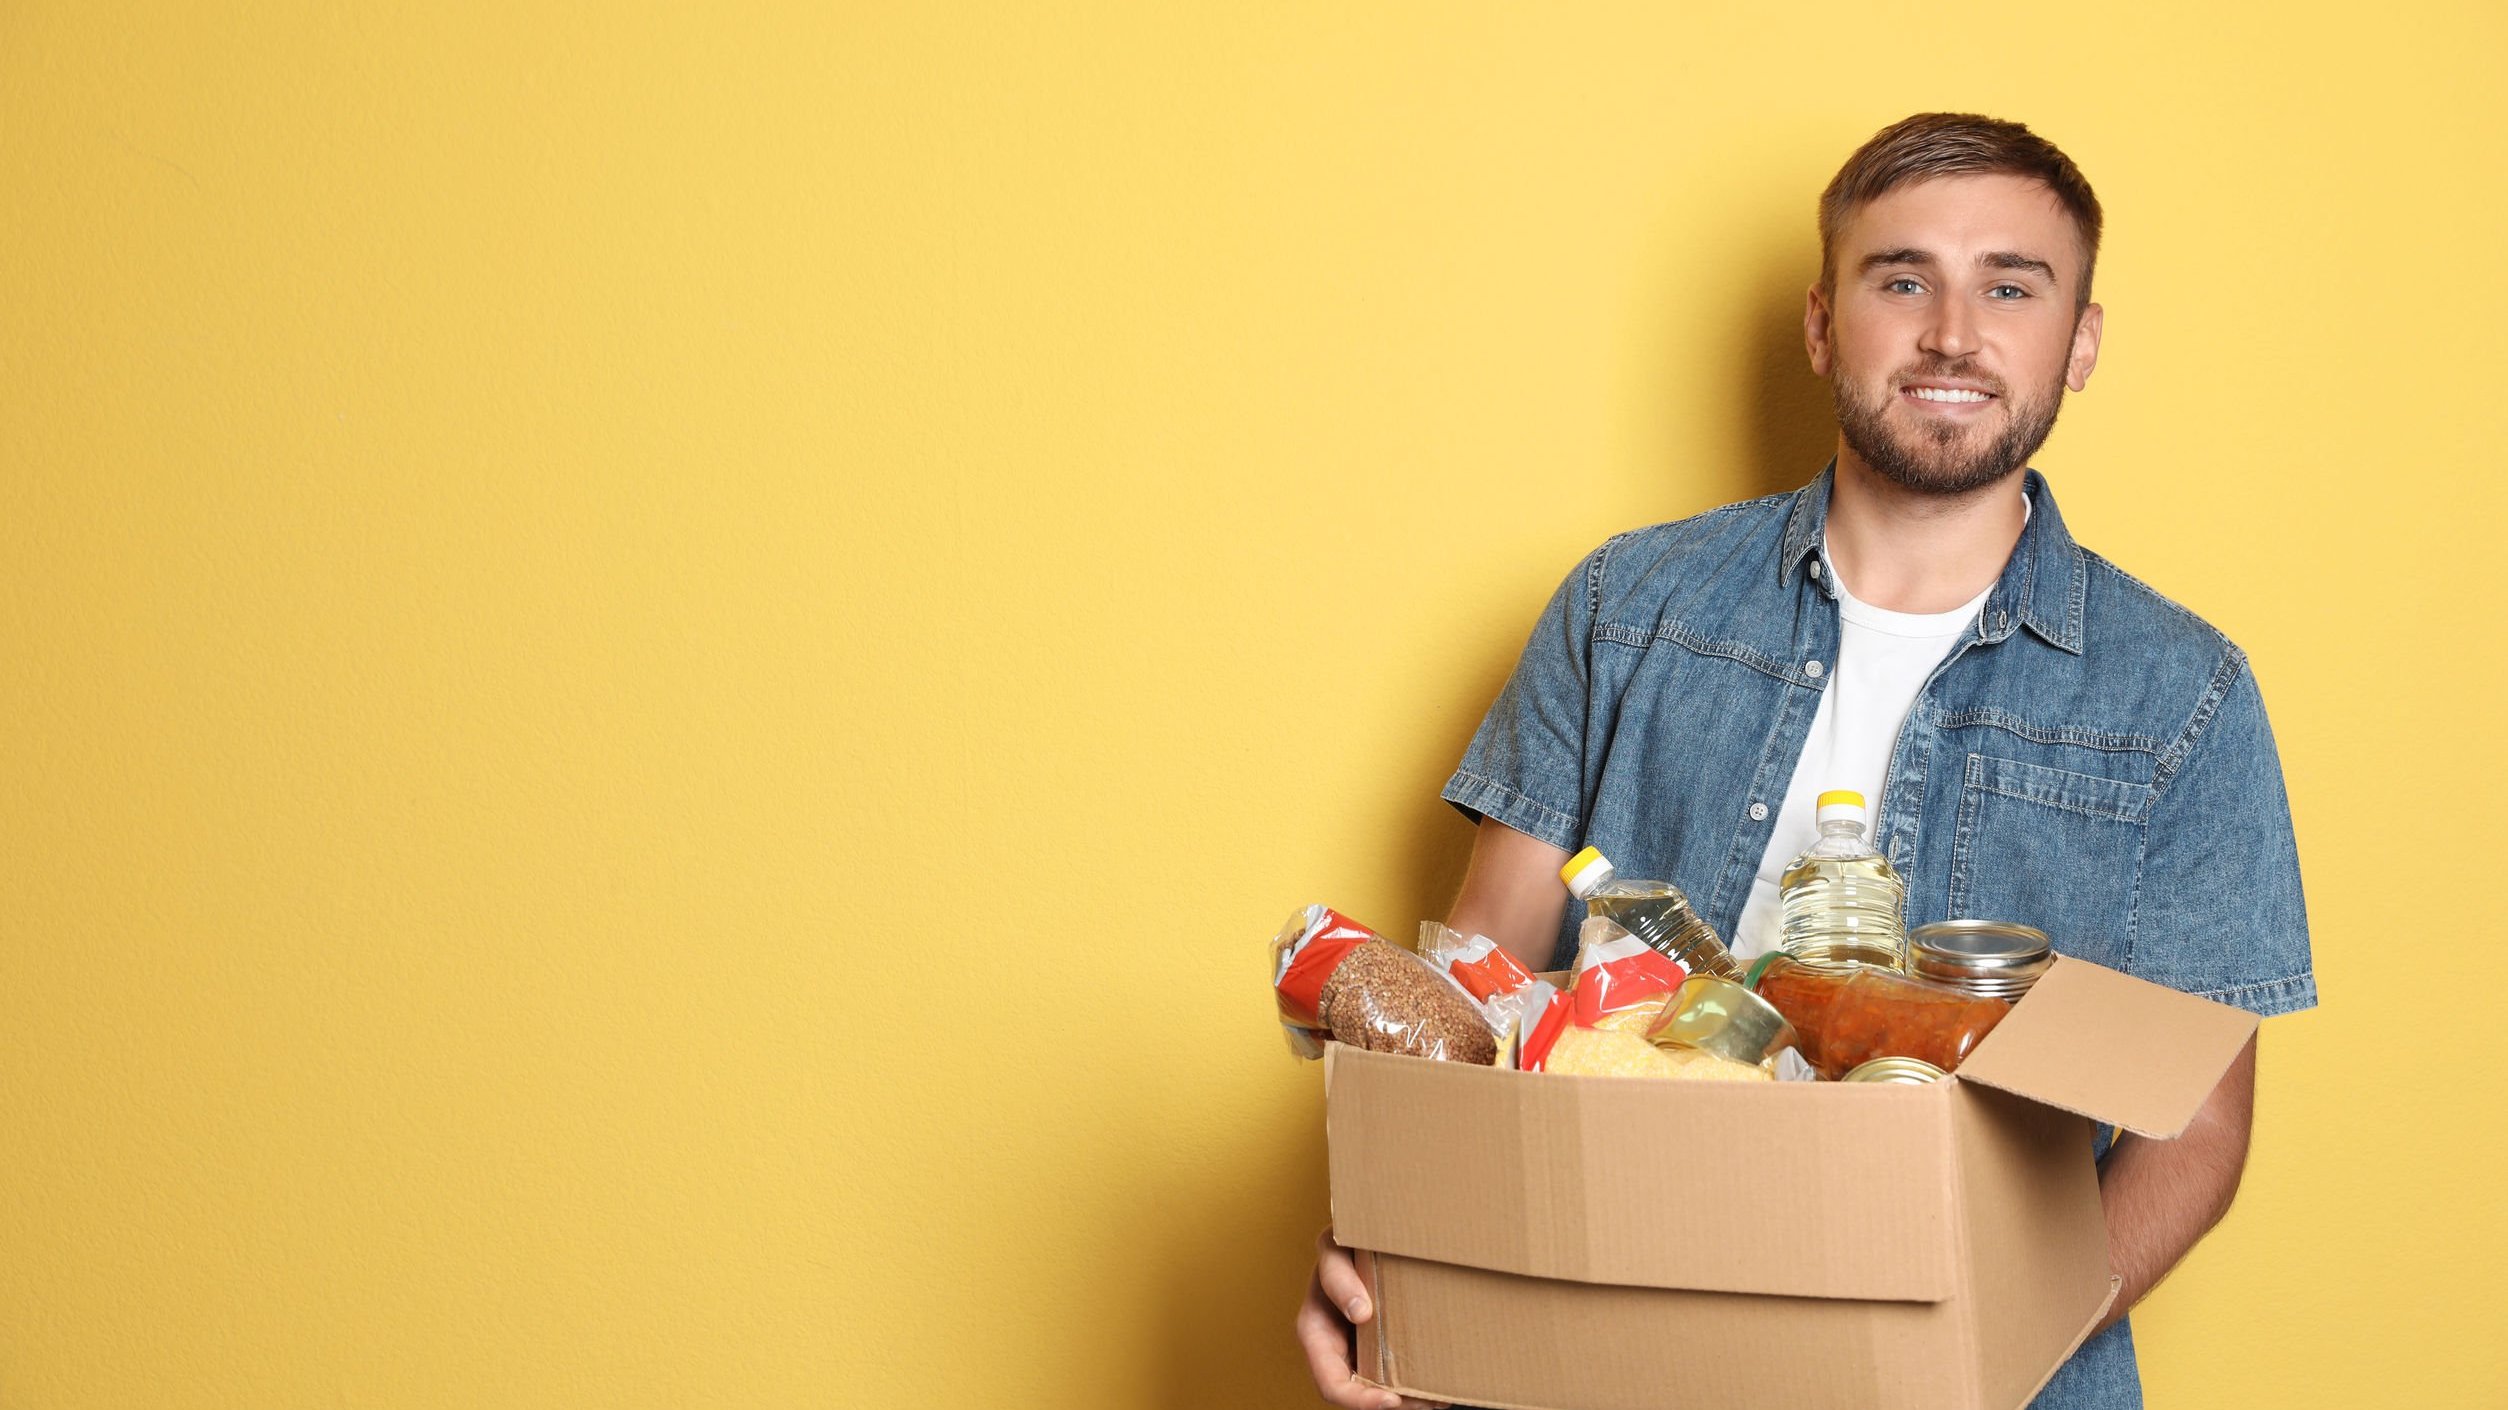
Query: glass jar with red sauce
[1847, 1017]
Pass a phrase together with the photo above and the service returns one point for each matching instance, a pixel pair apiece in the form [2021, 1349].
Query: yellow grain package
[1603, 1052]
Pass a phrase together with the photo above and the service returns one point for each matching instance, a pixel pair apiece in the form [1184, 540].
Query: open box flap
[1801, 1189]
[2112, 1047]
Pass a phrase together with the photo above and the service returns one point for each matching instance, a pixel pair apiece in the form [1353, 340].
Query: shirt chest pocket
[2052, 848]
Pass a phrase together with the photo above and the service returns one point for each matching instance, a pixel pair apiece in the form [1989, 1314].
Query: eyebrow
[1923, 259]
[2009, 259]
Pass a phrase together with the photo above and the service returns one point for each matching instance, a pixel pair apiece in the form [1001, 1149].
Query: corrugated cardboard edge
[1965, 1260]
[2115, 1285]
[1565, 1178]
[1375, 1348]
[2034, 1241]
[2120, 1050]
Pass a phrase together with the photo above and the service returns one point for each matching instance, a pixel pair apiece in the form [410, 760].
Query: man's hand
[1335, 1302]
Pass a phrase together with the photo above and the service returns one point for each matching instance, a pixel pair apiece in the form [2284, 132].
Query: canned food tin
[1720, 1017]
[1993, 959]
[1896, 1069]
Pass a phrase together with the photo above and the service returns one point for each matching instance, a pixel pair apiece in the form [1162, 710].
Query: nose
[1952, 333]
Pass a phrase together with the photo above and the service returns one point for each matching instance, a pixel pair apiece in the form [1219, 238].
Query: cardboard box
[1601, 1243]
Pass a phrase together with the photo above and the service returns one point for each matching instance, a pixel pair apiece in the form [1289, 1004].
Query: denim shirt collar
[2042, 585]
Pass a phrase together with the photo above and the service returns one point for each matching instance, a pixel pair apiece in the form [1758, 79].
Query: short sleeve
[1526, 765]
[2218, 909]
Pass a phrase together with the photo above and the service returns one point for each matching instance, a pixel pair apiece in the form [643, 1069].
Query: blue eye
[2007, 292]
[1904, 285]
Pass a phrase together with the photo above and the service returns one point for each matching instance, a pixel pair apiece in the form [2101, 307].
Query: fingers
[1339, 1275]
[1336, 1297]
[1325, 1337]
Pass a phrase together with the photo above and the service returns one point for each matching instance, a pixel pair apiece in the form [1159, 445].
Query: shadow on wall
[1226, 1338]
[1792, 427]
[1787, 430]
[1777, 413]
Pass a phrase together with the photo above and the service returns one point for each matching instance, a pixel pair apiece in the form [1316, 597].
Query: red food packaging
[1621, 982]
[1304, 955]
[1545, 1013]
[1496, 982]
[1337, 979]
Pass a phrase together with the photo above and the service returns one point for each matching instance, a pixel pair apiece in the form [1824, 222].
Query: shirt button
[2000, 621]
[1813, 669]
[1758, 812]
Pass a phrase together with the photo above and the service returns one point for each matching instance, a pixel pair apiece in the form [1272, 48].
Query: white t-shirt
[1883, 659]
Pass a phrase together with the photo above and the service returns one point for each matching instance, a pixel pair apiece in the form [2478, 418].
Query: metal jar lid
[1997, 959]
[1907, 1070]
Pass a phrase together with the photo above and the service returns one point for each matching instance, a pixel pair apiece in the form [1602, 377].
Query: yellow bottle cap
[1847, 796]
[1579, 862]
[1587, 872]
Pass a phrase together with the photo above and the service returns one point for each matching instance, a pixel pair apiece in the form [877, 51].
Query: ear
[2085, 355]
[1816, 330]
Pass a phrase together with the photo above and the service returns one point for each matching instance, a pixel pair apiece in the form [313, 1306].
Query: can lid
[1895, 1069]
[1587, 872]
[1978, 949]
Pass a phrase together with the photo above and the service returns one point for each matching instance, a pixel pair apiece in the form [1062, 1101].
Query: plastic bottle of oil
[1840, 903]
[1654, 911]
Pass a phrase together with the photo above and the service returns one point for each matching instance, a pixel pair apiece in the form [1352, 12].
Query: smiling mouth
[1946, 396]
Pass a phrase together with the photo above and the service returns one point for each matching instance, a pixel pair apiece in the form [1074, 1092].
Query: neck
[1909, 551]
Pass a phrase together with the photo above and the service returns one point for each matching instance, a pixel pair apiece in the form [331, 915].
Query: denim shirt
[2090, 759]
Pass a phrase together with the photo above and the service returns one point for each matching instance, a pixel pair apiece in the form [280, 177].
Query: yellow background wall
[663, 666]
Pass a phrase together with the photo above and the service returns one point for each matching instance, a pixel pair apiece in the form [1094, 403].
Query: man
[2042, 738]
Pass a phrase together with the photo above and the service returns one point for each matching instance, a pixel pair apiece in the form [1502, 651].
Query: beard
[1944, 457]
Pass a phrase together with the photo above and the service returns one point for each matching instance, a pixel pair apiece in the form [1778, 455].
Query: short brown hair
[1931, 145]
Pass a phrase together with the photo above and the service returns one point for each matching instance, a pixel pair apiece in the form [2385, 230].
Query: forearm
[2162, 1197]
[1512, 894]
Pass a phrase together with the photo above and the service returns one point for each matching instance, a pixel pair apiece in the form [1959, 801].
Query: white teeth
[1946, 394]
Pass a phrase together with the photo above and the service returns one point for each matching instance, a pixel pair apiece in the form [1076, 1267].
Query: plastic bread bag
[1337, 979]
[1487, 974]
[1621, 982]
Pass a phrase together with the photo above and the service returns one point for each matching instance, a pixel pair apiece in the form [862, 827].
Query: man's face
[1950, 334]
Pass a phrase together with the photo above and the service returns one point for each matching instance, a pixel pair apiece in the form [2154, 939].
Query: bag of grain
[1337, 979]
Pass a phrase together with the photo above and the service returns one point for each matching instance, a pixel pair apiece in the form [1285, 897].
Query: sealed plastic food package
[1336, 978]
[1608, 1052]
[1303, 955]
[1544, 1017]
[1621, 982]
[1475, 963]
[1492, 978]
